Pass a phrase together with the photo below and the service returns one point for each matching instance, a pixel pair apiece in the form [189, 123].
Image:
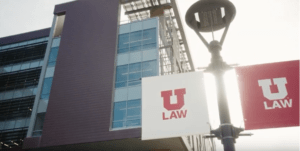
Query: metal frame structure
[174, 52]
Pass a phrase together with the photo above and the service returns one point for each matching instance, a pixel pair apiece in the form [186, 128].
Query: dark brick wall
[79, 107]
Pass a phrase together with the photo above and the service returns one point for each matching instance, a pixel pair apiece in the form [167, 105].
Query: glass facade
[137, 57]
[47, 84]
[20, 69]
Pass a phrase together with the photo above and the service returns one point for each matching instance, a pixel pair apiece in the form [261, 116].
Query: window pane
[134, 111]
[20, 123]
[135, 67]
[118, 124]
[135, 76]
[27, 92]
[41, 62]
[2, 95]
[137, 82]
[25, 66]
[149, 65]
[136, 43]
[149, 68]
[122, 72]
[124, 50]
[34, 64]
[49, 72]
[53, 54]
[135, 36]
[18, 93]
[2, 125]
[119, 111]
[8, 95]
[121, 84]
[123, 41]
[45, 96]
[10, 124]
[47, 85]
[133, 123]
[16, 67]
[149, 36]
[120, 105]
[149, 46]
[39, 122]
[7, 69]
[35, 91]
[134, 103]
[135, 48]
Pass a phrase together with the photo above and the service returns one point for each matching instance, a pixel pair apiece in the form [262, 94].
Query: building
[85, 92]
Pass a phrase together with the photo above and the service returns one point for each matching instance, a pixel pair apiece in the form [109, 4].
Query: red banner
[270, 94]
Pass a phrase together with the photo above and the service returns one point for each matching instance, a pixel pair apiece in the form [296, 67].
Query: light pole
[210, 16]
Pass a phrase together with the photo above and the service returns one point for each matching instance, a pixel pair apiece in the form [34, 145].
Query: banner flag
[173, 106]
[270, 94]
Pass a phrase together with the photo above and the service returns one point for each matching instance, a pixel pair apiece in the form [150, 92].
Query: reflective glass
[16, 67]
[8, 95]
[2, 95]
[124, 50]
[149, 46]
[135, 48]
[34, 64]
[2, 125]
[49, 72]
[118, 124]
[120, 84]
[1, 70]
[135, 36]
[20, 123]
[135, 76]
[27, 91]
[136, 43]
[149, 65]
[18, 93]
[7, 69]
[134, 111]
[119, 111]
[45, 96]
[122, 72]
[47, 85]
[134, 103]
[149, 36]
[133, 123]
[41, 62]
[35, 91]
[137, 82]
[25, 66]
[123, 41]
[149, 68]
[10, 124]
[53, 54]
[135, 67]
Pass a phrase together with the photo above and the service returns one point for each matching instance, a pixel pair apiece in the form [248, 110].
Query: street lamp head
[210, 15]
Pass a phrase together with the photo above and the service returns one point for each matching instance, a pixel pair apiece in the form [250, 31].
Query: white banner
[174, 106]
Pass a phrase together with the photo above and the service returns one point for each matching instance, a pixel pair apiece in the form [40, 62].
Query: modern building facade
[84, 77]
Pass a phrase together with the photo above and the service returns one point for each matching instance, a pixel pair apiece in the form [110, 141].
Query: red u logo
[167, 99]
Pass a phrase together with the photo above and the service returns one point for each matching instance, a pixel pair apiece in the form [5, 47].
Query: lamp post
[206, 16]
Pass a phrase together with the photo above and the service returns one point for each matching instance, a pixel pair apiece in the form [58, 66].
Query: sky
[263, 31]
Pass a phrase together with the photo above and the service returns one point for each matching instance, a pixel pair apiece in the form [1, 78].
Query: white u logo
[280, 82]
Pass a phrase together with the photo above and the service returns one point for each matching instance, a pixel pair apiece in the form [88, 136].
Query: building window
[131, 68]
[137, 41]
[127, 114]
